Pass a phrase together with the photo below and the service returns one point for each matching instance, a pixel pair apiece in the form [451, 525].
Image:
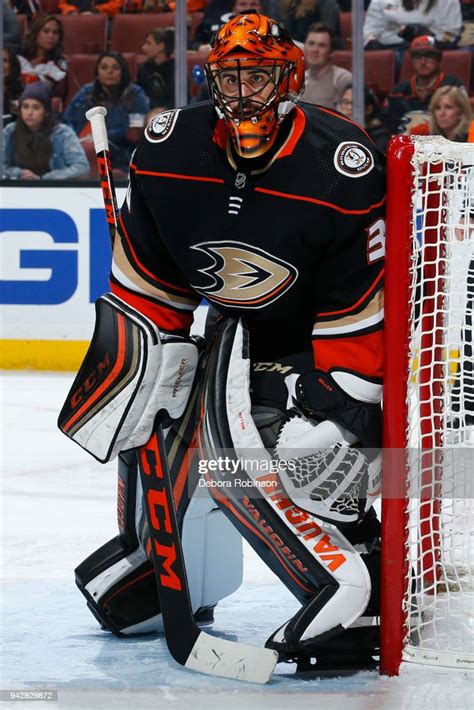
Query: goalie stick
[188, 645]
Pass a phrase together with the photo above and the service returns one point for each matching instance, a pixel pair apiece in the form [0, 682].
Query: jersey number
[376, 241]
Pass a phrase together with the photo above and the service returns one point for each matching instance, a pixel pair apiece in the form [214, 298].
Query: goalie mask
[255, 73]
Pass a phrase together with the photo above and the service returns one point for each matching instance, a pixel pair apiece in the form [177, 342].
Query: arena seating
[128, 31]
[457, 62]
[346, 29]
[80, 71]
[51, 7]
[86, 34]
[196, 19]
[379, 67]
[23, 25]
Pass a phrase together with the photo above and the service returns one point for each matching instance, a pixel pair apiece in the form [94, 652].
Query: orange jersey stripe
[164, 318]
[297, 129]
[362, 354]
[177, 176]
[315, 201]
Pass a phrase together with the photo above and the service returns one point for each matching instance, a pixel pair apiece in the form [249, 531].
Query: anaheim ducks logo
[161, 126]
[353, 159]
[244, 276]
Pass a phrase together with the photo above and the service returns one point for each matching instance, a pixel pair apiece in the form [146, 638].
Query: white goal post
[427, 609]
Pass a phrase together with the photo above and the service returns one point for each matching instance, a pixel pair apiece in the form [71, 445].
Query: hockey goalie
[273, 211]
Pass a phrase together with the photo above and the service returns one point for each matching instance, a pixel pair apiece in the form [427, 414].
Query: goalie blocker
[130, 373]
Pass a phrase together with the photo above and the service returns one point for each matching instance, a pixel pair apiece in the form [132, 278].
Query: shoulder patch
[161, 127]
[353, 159]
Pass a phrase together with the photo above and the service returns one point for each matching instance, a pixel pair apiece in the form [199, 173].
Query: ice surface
[57, 505]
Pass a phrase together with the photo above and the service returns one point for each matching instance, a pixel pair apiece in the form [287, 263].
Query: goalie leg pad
[129, 374]
[312, 558]
[302, 635]
[118, 580]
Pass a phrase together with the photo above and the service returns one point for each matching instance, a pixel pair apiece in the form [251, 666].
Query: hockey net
[427, 613]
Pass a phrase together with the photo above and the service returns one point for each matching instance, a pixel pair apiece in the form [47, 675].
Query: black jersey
[293, 242]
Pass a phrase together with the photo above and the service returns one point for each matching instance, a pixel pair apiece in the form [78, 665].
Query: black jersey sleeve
[348, 324]
[144, 273]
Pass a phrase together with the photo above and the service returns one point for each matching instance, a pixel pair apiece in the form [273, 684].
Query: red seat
[22, 26]
[81, 70]
[456, 62]
[196, 19]
[346, 29]
[131, 58]
[128, 31]
[50, 7]
[84, 34]
[342, 58]
[379, 68]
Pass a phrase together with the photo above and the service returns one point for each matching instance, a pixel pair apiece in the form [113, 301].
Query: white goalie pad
[327, 544]
[131, 372]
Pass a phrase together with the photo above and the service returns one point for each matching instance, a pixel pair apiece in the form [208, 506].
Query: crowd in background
[47, 137]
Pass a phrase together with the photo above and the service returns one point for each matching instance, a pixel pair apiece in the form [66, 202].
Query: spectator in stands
[374, 121]
[156, 74]
[30, 8]
[39, 148]
[41, 58]
[450, 115]
[392, 24]
[12, 85]
[324, 82]
[11, 27]
[415, 93]
[298, 15]
[216, 15]
[87, 7]
[126, 103]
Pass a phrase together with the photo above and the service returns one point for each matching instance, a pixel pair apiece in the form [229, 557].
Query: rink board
[55, 259]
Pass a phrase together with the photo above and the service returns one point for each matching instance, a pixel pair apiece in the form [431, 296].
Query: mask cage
[236, 105]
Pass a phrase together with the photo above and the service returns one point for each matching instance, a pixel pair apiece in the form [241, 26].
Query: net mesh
[439, 600]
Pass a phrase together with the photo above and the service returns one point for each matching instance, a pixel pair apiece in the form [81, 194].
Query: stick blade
[226, 659]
